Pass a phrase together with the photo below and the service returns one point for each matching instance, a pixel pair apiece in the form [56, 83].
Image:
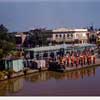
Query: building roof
[57, 47]
[69, 30]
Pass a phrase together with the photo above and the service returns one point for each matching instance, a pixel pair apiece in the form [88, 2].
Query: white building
[70, 35]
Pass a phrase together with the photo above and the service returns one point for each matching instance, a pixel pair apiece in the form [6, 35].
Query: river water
[85, 82]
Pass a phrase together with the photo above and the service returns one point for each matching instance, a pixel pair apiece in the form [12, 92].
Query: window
[67, 35]
[64, 36]
[71, 35]
[60, 35]
[56, 35]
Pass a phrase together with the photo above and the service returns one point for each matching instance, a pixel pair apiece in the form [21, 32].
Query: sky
[24, 15]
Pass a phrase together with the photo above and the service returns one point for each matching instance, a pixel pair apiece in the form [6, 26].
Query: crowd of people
[78, 58]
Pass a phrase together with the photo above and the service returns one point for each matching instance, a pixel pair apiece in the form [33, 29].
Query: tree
[7, 42]
[3, 29]
[1, 53]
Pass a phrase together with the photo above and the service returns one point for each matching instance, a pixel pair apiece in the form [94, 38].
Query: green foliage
[1, 75]
[1, 53]
[11, 71]
[5, 72]
[7, 42]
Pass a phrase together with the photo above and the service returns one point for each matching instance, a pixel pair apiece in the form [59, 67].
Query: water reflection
[3, 88]
[15, 85]
[86, 72]
[80, 73]
[11, 86]
[36, 77]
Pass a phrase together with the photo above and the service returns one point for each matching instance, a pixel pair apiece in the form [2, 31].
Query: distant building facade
[20, 38]
[70, 35]
[43, 37]
[32, 38]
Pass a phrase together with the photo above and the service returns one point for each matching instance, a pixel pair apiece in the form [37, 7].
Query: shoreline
[30, 71]
[20, 74]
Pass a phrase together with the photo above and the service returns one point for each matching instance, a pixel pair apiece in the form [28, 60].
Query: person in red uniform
[89, 59]
[77, 61]
[64, 60]
[72, 61]
[60, 60]
[68, 59]
[81, 57]
[84, 58]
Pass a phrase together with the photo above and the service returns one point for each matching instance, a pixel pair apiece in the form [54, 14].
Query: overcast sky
[23, 16]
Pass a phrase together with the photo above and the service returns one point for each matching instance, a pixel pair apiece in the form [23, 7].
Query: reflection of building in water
[32, 77]
[89, 72]
[82, 73]
[79, 73]
[58, 76]
[46, 75]
[93, 71]
[42, 76]
[15, 85]
[3, 88]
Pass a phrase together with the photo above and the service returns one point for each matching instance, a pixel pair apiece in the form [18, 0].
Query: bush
[11, 71]
[7, 42]
[2, 75]
[5, 72]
